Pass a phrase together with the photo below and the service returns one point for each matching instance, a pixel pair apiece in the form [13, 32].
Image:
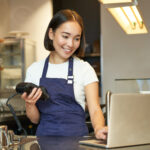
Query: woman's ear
[50, 34]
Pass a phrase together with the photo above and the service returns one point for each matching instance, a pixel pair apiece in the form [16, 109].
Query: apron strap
[70, 71]
[45, 67]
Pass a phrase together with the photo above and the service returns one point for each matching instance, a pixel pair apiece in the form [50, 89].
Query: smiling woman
[68, 80]
[66, 40]
[77, 24]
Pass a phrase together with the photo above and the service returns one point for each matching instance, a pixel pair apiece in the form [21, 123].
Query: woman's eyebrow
[66, 33]
[70, 34]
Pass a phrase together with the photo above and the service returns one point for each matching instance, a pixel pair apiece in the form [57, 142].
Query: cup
[10, 136]
[3, 136]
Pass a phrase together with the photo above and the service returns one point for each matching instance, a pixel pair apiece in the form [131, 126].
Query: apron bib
[60, 115]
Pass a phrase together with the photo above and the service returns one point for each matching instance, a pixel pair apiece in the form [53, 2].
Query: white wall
[30, 16]
[4, 17]
[123, 56]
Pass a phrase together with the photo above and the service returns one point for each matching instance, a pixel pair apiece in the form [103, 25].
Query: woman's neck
[55, 59]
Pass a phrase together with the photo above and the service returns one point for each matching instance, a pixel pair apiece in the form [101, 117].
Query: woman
[68, 81]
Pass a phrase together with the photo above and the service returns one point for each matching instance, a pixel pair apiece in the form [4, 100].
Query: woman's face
[66, 39]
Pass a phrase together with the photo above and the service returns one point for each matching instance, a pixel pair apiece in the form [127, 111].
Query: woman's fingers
[30, 96]
[102, 134]
[24, 96]
[37, 95]
[33, 96]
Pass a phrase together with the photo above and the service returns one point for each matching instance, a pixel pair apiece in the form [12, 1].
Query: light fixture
[129, 19]
[127, 15]
[118, 3]
[114, 1]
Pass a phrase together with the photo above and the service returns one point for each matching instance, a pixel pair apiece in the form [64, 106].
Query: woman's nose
[70, 43]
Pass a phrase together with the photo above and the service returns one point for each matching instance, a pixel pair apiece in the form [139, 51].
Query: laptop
[128, 121]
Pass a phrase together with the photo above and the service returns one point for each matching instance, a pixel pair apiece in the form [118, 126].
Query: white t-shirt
[83, 74]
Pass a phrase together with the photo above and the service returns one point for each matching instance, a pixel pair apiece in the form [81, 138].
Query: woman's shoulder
[84, 72]
[81, 63]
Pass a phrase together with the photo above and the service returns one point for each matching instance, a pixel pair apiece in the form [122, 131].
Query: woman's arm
[96, 114]
[32, 111]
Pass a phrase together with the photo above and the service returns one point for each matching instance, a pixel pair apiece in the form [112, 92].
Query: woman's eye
[77, 39]
[64, 36]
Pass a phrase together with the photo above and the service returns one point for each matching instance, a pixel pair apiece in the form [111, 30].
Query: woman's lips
[67, 51]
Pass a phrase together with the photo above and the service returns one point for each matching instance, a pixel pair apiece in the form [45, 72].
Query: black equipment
[28, 87]
[20, 89]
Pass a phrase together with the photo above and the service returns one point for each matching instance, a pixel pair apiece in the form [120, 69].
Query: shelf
[12, 78]
[98, 73]
[10, 54]
[120, 79]
[13, 73]
[12, 67]
[92, 55]
[9, 42]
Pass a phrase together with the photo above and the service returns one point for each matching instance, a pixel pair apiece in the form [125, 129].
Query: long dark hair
[59, 18]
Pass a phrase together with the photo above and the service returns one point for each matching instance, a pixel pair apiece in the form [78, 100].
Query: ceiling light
[115, 1]
[129, 19]
[118, 3]
[127, 15]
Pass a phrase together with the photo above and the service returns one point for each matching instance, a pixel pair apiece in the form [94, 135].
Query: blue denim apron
[60, 115]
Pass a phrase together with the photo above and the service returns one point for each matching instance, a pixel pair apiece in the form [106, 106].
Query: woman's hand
[31, 109]
[32, 97]
[101, 133]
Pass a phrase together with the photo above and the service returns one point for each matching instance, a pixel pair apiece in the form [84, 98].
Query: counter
[7, 116]
[60, 143]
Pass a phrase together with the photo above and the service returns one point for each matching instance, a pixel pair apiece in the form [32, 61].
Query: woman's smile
[67, 50]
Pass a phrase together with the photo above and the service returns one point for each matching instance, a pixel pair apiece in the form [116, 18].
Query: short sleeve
[89, 74]
[84, 74]
[34, 73]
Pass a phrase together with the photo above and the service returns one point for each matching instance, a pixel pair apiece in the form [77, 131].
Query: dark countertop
[7, 116]
[61, 143]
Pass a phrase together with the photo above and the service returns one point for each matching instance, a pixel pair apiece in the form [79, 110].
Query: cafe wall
[4, 17]
[124, 56]
[30, 16]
